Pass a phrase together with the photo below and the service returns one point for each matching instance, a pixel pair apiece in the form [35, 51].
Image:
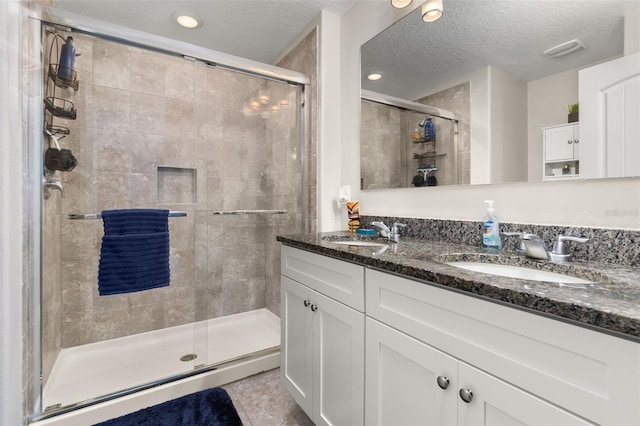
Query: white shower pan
[89, 371]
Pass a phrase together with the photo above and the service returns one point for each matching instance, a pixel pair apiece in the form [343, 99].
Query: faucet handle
[559, 247]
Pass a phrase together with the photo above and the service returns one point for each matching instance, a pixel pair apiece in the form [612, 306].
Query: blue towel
[135, 251]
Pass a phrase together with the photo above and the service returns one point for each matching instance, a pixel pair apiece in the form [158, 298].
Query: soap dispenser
[491, 229]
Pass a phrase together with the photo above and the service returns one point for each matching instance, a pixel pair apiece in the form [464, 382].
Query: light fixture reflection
[432, 10]
[399, 4]
[263, 97]
[284, 103]
[374, 76]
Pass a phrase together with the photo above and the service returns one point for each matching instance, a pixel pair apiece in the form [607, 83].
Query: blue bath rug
[211, 407]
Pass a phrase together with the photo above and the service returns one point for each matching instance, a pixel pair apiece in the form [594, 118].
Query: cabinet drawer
[341, 281]
[592, 374]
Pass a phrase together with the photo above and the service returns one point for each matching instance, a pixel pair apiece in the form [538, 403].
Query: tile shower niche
[177, 185]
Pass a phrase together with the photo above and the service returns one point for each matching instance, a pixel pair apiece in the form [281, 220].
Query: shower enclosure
[222, 148]
[394, 151]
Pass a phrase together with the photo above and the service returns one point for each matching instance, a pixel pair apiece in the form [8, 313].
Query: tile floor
[261, 400]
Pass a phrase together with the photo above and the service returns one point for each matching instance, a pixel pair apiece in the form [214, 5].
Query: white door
[296, 344]
[609, 96]
[559, 143]
[492, 402]
[407, 382]
[338, 367]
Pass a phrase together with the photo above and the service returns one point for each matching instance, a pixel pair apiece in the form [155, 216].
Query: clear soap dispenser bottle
[491, 229]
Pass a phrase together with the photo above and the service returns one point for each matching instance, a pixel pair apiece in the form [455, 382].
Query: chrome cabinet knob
[314, 307]
[443, 382]
[306, 303]
[466, 395]
[569, 141]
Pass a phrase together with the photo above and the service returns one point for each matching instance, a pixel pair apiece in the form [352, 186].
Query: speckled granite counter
[611, 304]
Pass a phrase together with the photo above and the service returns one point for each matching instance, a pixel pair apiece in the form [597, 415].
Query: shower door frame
[40, 16]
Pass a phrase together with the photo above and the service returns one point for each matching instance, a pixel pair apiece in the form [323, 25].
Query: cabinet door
[338, 367]
[495, 402]
[296, 342]
[402, 386]
[559, 143]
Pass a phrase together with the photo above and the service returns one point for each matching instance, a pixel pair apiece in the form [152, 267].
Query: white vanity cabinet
[411, 383]
[521, 368]
[407, 381]
[322, 320]
[405, 352]
[561, 151]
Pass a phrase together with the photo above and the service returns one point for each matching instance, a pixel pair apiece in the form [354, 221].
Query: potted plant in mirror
[573, 113]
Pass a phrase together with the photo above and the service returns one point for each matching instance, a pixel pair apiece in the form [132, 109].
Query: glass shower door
[251, 140]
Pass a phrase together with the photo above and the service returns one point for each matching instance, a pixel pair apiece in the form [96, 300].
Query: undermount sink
[358, 243]
[519, 272]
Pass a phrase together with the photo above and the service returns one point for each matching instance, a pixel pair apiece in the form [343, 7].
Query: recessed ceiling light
[187, 20]
[432, 10]
[399, 4]
[374, 76]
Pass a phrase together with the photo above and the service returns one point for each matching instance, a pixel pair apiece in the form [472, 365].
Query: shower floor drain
[188, 357]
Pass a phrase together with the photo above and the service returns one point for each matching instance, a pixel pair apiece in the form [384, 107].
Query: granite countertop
[611, 304]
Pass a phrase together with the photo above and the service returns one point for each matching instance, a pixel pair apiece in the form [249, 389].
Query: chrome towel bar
[226, 212]
[79, 216]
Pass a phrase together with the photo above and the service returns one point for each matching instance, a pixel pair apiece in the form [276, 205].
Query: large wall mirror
[483, 62]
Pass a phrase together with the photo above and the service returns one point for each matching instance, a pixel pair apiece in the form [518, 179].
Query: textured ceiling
[508, 34]
[254, 29]
[412, 55]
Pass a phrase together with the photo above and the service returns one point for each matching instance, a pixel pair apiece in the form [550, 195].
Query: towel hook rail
[80, 216]
[245, 212]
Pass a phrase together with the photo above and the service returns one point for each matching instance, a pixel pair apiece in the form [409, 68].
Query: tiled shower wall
[383, 146]
[387, 148]
[156, 131]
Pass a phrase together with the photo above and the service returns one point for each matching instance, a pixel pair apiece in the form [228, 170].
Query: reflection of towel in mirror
[135, 251]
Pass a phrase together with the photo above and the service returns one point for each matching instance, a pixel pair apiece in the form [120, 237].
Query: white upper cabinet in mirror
[484, 61]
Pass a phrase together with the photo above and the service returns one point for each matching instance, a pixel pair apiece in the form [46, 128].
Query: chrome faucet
[536, 248]
[392, 234]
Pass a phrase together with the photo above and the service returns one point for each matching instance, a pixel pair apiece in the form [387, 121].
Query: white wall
[610, 203]
[329, 119]
[632, 32]
[508, 124]
[547, 103]
[11, 222]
